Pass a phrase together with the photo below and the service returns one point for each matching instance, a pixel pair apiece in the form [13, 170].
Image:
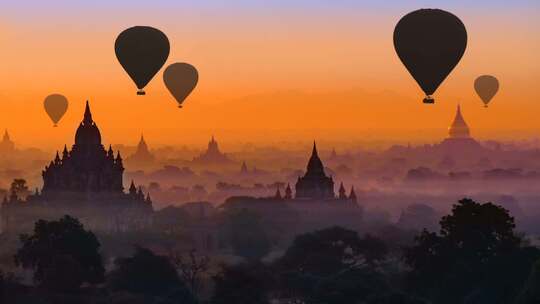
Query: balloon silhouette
[142, 51]
[56, 106]
[180, 79]
[430, 43]
[486, 86]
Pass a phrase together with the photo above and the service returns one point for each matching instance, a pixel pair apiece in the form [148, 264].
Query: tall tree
[332, 265]
[476, 255]
[243, 283]
[148, 274]
[62, 254]
[246, 234]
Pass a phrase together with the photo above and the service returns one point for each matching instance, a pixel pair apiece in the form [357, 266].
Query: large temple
[85, 182]
[315, 184]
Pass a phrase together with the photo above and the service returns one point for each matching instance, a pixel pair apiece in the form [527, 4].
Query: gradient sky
[284, 70]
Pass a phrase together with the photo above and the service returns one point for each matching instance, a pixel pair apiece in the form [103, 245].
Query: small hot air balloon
[430, 43]
[56, 106]
[142, 51]
[486, 86]
[180, 79]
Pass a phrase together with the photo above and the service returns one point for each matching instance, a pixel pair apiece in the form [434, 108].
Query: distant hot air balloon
[430, 43]
[142, 51]
[486, 86]
[180, 78]
[56, 106]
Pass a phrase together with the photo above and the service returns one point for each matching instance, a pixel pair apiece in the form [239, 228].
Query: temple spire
[352, 195]
[288, 192]
[315, 166]
[278, 194]
[6, 136]
[65, 153]
[459, 128]
[342, 194]
[132, 188]
[87, 115]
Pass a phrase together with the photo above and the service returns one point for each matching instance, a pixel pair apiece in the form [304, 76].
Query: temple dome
[459, 128]
[87, 132]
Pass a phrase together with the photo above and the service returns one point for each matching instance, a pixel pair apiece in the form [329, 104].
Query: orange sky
[264, 77]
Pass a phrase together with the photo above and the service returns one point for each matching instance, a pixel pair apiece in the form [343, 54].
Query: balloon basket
[141, 92]
[179, 106]
[55, 125]
[429, 100]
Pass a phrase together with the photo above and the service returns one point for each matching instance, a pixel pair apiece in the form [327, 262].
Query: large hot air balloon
[486, 86]
[180, 78]
[430, 43]
[142, 51]
[56, 106]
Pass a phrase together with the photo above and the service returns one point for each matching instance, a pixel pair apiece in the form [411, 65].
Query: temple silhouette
[85, 182]
[6, 145]
[212, 155]
[315, 184]
[459, 138]
[142, 155]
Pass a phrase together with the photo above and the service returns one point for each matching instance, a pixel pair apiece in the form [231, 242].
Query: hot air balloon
[180, 79]
[430, 43]
[486, 86]
[142, 51]
[56, 106]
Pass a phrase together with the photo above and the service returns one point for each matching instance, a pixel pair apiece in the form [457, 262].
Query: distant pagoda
[459, 128]
[7, 145]
[212, 155]
[459, 140]
[142, 155]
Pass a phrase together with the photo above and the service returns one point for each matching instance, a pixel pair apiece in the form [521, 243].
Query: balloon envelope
[180, 79]
[142, 51]
[430, 43]
[486, 86]
[56, 106]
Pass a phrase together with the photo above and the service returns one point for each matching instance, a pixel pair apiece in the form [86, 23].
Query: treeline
[476, 257]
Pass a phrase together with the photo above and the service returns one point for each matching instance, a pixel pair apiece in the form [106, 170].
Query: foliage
[243, 283]
[191, 268]
[477, 255]
[19, 188]
[332, 265]
[530, 293]
[332, 250]
[62, 254]
[148, 274]
[246, 234]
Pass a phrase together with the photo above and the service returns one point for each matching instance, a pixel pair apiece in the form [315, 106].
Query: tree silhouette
[62, 254]
[246, 234]
[243, 283]
[331, 250]
[191, 268]
[332, 265]
[19, 187]
[476, 255]
[530, 292]
[148, 274]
